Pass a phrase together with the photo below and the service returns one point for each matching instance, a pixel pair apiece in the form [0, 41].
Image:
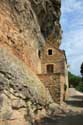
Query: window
[50, 68]
[50, 52]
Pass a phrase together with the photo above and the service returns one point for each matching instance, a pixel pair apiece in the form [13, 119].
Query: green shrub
[74, 80]
[80, 87]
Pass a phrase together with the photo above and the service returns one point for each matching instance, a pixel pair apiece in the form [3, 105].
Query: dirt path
[75, 117]
[75, 100]
[68, 120]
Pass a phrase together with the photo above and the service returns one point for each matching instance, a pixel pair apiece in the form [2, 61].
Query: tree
[80, 86]
[81, 70]
[74, 80]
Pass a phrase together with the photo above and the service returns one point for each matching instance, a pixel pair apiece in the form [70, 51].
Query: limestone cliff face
[24, 27]
[19, 29]
[21, 92]
[48, 15]
[23, 23]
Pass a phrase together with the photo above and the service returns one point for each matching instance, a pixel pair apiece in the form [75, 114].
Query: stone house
[54, 73]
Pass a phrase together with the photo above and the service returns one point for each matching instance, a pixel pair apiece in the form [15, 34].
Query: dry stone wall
[54, 83]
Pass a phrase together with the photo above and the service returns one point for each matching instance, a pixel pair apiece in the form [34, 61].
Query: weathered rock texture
[20, 89]
[24, 26]
[48, 14]
[21, 24]
[19, 30]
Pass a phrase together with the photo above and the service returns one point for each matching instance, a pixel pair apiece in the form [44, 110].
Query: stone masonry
[54, 71]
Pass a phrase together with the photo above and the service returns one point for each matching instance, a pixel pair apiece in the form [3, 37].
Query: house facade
[54, 73]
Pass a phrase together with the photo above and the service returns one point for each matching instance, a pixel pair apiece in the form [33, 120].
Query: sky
[72, 37]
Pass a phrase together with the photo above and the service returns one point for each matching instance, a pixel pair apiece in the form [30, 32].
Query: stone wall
[55, 81]
[55, 85]
[66, 82]
[58, 67]
[62, 87]
[57, 58]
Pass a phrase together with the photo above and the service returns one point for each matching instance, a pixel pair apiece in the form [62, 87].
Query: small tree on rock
[81, 70]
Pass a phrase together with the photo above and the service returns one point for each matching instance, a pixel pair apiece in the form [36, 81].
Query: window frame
[50, 68]
[50, 52]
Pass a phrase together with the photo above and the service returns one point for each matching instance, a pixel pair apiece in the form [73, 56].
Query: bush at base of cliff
[80, 87]
[74, 80]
